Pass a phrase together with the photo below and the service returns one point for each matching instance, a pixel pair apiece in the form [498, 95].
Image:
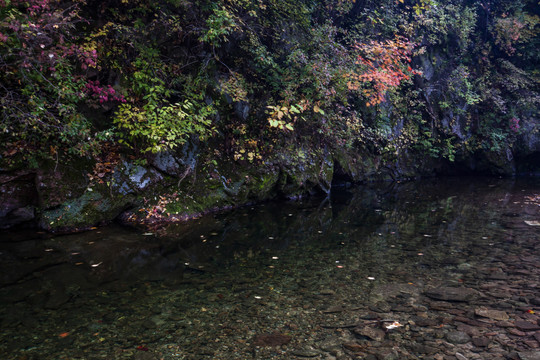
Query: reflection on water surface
[452, 265]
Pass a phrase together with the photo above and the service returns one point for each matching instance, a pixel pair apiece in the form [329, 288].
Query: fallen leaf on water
[63, 335]
[393, 325]
[142, 348]
[530, 311]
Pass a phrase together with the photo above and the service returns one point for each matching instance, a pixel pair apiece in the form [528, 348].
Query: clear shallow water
[316, 274]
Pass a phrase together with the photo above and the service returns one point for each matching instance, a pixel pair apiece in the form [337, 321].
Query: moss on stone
[93, 207]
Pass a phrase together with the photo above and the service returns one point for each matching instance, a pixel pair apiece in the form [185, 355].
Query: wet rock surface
[438, 274]
[452, 294]
[18, 198]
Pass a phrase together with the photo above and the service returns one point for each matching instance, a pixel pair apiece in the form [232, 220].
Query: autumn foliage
[382, 65]
[248, 77]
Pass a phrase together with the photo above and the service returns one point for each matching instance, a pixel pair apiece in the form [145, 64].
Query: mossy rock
[224, 185]
[311, 172]
[93, 207]
[499, 162]
[59, 182]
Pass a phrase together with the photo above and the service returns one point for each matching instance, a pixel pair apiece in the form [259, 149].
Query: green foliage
[450, 24]
[283, 117]
[235, 86]
[219, 25]
[459, 91]
[159, 126]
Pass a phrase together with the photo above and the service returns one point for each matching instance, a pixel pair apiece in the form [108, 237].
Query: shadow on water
[265, 268]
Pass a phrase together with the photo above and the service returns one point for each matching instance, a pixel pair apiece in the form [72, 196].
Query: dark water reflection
[205, 289]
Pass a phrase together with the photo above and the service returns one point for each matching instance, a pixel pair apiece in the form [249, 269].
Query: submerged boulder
[459, 294]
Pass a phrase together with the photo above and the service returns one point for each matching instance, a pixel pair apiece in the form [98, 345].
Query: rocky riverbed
[432, 272]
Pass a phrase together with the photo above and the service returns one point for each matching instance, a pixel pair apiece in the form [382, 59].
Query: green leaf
[294, 109]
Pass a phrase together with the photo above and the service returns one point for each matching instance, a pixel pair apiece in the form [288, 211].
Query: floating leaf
[393, 325]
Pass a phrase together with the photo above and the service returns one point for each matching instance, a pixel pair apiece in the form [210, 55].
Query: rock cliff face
[173, 186]
[182, 185]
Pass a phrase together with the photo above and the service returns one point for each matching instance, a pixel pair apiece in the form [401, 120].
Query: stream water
[434, 269]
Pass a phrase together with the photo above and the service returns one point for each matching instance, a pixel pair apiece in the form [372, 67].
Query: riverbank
[166, 187]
